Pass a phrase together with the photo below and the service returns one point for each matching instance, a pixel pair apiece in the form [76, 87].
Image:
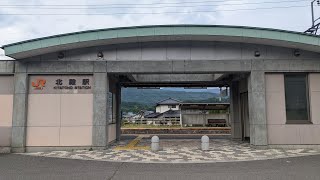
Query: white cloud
[15, 28]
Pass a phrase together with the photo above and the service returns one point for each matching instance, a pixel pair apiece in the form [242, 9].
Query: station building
[64, 91]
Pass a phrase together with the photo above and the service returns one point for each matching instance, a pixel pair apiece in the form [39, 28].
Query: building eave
[83, 39]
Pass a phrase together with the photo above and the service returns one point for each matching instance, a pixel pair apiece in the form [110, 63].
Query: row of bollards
[155, 143]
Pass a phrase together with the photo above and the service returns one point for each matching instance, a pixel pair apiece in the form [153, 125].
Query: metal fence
[154, 121]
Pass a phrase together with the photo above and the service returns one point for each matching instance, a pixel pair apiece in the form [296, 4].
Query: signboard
[110, 105]
[64, 84]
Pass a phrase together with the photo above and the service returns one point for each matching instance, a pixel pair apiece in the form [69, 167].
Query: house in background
[191, 114]
[133, 117]
[167, 104]
[204, 114]
[167, 112]
[167, 108]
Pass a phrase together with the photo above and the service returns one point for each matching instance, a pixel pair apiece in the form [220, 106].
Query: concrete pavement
[14, 166]
[179, 151]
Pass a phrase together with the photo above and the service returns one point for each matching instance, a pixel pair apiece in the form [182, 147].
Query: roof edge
[168, 99]
[152, 26]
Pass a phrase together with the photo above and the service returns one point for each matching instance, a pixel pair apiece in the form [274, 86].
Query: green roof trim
[161, 30]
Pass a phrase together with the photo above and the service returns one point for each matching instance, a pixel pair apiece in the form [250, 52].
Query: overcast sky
[28, 19]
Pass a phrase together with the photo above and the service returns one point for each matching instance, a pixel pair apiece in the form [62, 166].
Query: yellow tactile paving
[132, 145]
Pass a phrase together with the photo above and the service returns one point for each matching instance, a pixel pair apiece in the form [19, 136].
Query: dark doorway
[244, 112]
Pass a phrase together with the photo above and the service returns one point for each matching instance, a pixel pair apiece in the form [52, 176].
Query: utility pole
[315, 26]
[220, 96]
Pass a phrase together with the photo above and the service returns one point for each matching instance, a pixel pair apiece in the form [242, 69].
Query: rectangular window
[172, 106]
[296, 95]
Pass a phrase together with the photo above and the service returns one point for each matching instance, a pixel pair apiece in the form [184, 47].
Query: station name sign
[51, 84]
[72, 84]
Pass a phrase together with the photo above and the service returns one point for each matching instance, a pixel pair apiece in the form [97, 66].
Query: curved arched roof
[100, 37]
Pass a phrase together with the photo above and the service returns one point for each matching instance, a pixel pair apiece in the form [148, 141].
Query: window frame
[307, 84]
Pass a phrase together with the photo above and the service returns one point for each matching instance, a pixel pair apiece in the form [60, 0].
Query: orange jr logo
[39, 84]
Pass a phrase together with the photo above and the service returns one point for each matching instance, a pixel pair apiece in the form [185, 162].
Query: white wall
[164, 108]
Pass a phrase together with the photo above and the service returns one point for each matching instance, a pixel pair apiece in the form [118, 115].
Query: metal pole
[220, 97]
[312, 12]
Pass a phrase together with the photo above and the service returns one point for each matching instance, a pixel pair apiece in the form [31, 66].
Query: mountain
[210, 90]
[152, 96]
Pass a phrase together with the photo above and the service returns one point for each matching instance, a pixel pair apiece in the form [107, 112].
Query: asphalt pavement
[13, 166]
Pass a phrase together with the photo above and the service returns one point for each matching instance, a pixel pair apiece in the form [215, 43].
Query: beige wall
[61, 118]
[290, 134]
[6, 107]
[112, 129]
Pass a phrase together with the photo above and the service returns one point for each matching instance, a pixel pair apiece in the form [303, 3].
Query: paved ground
[14, 166]
[179, 151]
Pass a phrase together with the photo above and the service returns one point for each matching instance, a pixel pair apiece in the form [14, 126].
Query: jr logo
[39, 84]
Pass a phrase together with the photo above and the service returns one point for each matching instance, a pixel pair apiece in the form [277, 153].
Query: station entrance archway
[252, 61]
[237, 82]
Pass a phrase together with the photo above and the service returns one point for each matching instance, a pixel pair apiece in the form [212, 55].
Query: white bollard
[155, 143]
[204, 143]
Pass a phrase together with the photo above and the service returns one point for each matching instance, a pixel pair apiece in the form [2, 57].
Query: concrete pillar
[257, 108]
[235, 110]
[181, 113]
[118, 112]
[100, 123]
[20, 101]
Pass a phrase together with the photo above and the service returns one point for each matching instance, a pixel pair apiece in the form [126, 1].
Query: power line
[149, 7]
[136, 4]
[148, 13]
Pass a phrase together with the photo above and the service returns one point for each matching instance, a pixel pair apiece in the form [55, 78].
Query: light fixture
[296, 53]
[100, 55]
[257, 53]
[60, 55]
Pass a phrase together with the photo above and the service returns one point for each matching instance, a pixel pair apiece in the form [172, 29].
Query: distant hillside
[152, 96]
[210, 90]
